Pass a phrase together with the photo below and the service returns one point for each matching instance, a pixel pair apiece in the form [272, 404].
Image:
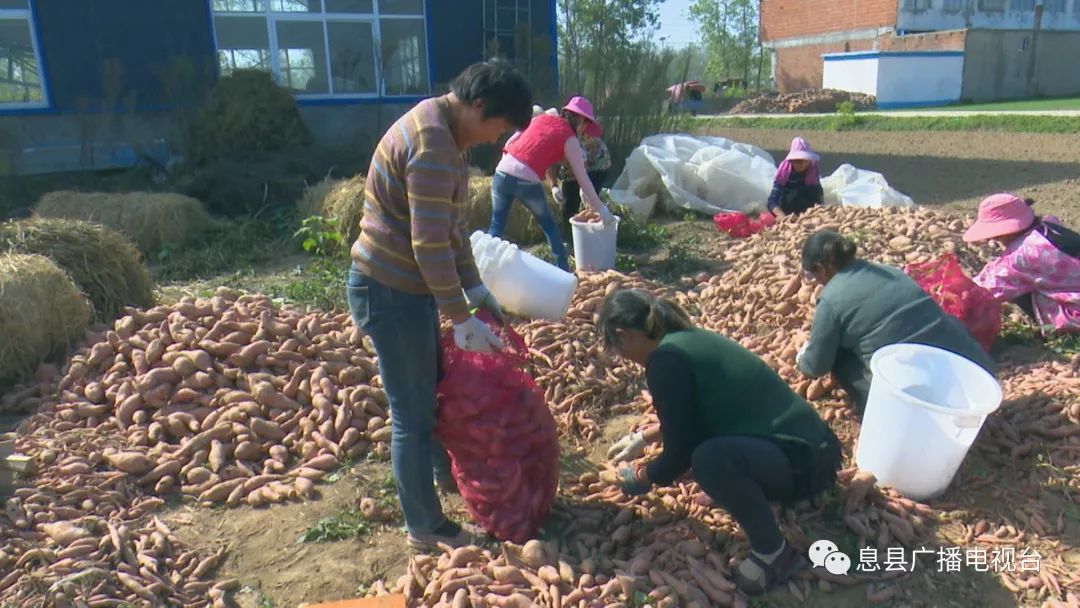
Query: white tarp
[714, 174]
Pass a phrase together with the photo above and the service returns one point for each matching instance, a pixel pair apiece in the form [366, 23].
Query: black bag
[1061, 237]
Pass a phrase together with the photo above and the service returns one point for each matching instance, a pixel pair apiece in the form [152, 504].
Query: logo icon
[825, 554]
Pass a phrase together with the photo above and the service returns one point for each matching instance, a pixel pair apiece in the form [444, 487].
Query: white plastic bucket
[925, 408]
[594, 244]
[524, 284]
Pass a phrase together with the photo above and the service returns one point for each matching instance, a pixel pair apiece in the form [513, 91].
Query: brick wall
[802, 67]
[793, 18]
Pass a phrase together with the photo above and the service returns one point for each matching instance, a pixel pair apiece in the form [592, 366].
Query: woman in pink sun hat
[1040, 268]
[797, 185]
[530, 156]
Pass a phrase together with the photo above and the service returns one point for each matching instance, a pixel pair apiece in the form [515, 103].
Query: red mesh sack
[944, 280]
[501, 437]
[739, 225]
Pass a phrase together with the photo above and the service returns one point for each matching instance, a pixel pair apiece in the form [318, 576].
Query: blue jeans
[405, 330]
[504, 188]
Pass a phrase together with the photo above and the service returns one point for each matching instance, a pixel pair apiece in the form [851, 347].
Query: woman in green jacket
[730, 420]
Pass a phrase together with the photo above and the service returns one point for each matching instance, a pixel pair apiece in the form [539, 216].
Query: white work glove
[802, 351]
[628, 448]
[605, 215]
[556, 193]
[475, 335]
[481, 297]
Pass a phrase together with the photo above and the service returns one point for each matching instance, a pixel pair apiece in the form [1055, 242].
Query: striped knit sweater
[412, 237]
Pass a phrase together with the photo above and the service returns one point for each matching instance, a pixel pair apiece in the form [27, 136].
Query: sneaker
[450, 534]
[753, 576]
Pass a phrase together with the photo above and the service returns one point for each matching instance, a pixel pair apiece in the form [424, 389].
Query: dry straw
[41, 313]
[103, 264]
[149, 219]
[521, 227]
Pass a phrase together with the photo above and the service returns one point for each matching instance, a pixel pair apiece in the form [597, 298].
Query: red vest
[542, 144]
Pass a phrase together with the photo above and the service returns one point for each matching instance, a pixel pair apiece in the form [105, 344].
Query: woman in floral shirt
[1040, 268]
[597, 163]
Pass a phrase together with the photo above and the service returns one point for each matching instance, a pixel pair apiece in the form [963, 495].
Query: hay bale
[345, 203]
[521, 227]
[312, 202]
[150, 219]
[41, 313]
[246, 114]
[101, 262]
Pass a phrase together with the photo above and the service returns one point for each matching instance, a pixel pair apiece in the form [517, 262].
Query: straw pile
[246, 114]
[101, 262]
[521, 227]
[345, 203]
[150, 219]
[314, 197]
[41, 313]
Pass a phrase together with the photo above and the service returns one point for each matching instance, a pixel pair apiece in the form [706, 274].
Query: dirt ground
[940, 169]
[946, 168]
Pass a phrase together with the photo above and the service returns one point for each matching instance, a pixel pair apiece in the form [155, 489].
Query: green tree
[729, 30]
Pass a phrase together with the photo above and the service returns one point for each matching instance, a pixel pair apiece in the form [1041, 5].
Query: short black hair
[828, 248]
[504, 91]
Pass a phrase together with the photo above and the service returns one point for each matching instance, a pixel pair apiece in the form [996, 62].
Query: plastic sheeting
[714, 174]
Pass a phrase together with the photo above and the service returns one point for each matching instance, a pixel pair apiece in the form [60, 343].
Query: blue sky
[674, 23]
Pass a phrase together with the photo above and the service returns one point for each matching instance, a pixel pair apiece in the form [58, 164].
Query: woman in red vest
[528, 156]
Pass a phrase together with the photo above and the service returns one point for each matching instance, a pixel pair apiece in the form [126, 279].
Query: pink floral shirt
[1033, 265]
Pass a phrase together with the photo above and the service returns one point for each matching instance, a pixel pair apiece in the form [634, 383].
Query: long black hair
[827, 248]
[637, 309]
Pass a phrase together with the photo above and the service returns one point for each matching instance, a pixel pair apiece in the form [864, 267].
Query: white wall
[855, 72]
[898, 79]
[961, 14]
[910, 79]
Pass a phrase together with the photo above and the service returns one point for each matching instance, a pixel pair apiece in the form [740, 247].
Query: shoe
[450, 534]
[753, 576]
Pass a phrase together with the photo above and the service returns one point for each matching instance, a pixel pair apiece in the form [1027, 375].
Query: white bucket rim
[886, 350]
[593, 225]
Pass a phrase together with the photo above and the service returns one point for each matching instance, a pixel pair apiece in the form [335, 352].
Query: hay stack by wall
[521, 227]
[314, 197]
[345, 203]
[41, 313]
[150, 219]
[103, 264]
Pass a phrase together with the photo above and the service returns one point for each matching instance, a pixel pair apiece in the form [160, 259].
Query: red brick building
[801, 31]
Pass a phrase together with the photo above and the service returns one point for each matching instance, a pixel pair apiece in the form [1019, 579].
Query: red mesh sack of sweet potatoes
[501, 437]
[944, 280]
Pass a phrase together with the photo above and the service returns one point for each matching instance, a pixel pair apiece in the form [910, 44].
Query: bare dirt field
[949, 169]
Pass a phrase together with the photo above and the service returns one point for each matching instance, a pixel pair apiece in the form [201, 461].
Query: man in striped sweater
[413, 260]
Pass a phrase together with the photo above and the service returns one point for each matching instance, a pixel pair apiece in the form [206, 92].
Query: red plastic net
[739, 225]
[958, 295]
[501, 437]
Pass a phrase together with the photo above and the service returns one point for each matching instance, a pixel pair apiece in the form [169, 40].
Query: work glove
[557, 194]
[629, 447]
[630, 484]
[480, 297]
[475, 335]
[605, 215]
[802, 352]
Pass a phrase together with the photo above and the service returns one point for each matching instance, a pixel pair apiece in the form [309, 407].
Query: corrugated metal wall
[125, 53]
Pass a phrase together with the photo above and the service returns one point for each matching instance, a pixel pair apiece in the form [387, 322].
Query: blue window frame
[22, 78]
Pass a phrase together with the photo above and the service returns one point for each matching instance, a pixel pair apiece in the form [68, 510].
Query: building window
[1054, 6]
[1076, 8]
[953, 6]
[21, 81]
[1022, 5]
[323, 48]
[991, 5]
[917, 5]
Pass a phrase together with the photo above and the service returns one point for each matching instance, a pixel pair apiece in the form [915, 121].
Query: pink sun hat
[581, 106]
[800, 150]
[999, 215]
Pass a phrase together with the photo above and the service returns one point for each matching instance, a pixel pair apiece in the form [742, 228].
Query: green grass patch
[320, 284]
[224, 247]
[1065, 345]
[1024, 105]
[899, 122]
[346, 525]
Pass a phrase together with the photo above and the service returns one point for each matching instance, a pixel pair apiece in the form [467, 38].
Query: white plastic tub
[594, 244]
[524, 284]
[925, 408]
